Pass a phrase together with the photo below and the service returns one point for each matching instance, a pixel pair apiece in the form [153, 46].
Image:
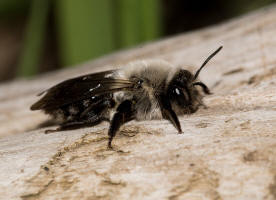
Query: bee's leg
[168, 113]
[124, 113]
[66, 127]
[75, 125]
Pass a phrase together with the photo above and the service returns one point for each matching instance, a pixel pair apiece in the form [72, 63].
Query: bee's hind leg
[124, 114]
[75, 125]
[66, 127]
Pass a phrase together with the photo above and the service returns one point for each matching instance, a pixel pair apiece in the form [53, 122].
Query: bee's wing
[80, 88]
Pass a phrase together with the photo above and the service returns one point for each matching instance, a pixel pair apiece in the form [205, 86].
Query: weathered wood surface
[226, 152]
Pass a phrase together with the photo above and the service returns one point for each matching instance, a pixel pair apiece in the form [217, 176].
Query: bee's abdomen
[84, 110]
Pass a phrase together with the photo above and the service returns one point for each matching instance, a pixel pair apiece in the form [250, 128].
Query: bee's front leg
[168, 113]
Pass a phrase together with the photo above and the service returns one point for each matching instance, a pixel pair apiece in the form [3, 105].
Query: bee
[142, 90]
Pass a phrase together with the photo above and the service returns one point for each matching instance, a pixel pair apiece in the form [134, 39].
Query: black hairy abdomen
[88, 110]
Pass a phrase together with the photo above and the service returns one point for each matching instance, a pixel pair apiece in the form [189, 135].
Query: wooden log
[226, 152]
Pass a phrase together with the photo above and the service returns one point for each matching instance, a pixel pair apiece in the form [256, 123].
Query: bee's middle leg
[124, 114]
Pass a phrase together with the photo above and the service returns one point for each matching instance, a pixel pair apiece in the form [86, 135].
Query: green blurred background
[43, 35]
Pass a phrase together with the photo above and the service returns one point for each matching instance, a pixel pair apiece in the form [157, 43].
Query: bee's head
[183, 88]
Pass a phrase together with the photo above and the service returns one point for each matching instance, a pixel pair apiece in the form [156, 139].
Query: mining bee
[142, 90]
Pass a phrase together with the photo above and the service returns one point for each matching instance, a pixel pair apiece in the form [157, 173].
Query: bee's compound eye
[177, 91]
[183, 79]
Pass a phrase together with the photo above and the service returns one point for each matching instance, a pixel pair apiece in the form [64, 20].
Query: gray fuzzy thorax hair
[155, 74]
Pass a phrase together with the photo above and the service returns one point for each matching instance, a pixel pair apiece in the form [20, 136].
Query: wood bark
[226, 152]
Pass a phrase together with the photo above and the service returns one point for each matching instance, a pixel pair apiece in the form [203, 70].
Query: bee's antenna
[206, 61]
